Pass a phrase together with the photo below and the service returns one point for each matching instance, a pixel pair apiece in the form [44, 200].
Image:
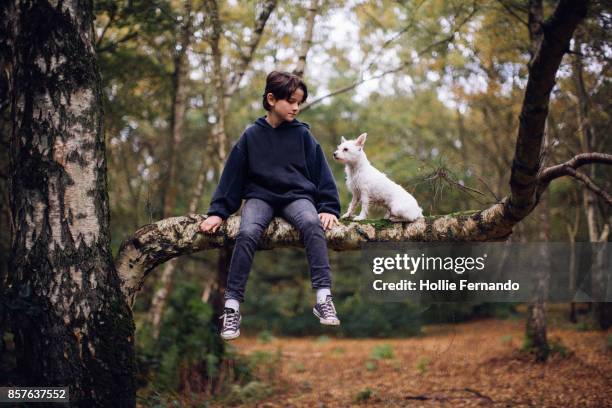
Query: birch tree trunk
[179, 107]
[313, 9]
[71, 324]
[598, 235]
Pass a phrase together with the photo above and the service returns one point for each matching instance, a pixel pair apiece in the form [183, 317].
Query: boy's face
[286, 109]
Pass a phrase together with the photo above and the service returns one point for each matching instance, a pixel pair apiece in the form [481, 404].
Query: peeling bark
[157, 243]
[70, 322]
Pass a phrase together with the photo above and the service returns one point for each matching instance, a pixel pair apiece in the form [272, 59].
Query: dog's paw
[359, 218]
[346, 216]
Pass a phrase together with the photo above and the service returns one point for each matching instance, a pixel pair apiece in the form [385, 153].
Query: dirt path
[466, 365]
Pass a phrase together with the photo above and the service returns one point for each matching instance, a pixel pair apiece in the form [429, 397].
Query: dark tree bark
[557, 33]
[535, 331]
[71, 324]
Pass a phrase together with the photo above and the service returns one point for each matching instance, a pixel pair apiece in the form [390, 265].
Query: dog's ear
[362, 139]
[342, 139]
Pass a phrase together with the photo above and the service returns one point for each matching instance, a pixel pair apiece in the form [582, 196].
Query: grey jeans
[256, 216]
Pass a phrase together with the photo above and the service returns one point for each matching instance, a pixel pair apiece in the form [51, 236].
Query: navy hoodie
[277, 165]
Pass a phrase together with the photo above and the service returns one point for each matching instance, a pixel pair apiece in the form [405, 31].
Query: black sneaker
[231, 323]
[326, 312]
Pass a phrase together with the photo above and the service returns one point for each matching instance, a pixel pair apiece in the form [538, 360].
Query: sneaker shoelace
[328, 309]
[230, 321]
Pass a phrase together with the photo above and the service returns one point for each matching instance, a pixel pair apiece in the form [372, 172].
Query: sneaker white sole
[230, 336]
[327, 322]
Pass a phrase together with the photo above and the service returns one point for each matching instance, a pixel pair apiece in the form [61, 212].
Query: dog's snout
[335, 155]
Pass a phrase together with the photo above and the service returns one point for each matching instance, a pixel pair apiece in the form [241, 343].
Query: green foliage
[338, 351]
[422, 365]
[382, 352]
[186, 340]
[558, 348]
[265, 336]
[371, 365]
[248, 393]
[465, 311]
[583, 326]
[265, 364]
[363, 319]
[506, 339]
[363, 395]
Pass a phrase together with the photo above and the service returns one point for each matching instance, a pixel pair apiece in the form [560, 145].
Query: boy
[279, 168]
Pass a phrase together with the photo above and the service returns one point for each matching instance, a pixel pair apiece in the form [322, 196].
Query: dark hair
[282, 85]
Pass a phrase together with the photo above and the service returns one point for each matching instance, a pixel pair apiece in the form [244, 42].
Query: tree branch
[246, 58]
[557, 32]
[111, 18]
[385, 73]
[510, 10]
[390, 71]
[569, 169]
[395, 36]
[579, 160]
[156, 243]
[307, 43]
[113, 44]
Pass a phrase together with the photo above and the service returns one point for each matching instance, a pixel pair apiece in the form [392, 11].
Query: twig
[512, 13]
[390, 71]
[569, 168]
[113, 44]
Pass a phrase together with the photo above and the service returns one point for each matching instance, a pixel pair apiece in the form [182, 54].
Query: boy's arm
[228, 196]
[327, 199]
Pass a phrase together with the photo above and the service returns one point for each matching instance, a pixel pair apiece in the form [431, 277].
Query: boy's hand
[211, 224]
[328, 220]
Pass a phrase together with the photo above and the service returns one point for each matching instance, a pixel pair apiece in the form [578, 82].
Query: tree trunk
[158, 304]
[179, 105]
[170, 190]
[602, 311]
[535, 336]
[300, 67]
[572, 232]
[71, 324]
[160, 298]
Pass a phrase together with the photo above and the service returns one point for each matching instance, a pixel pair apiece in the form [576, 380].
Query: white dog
[370, 186]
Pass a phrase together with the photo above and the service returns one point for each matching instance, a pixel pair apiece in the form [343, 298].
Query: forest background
[437, 85]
